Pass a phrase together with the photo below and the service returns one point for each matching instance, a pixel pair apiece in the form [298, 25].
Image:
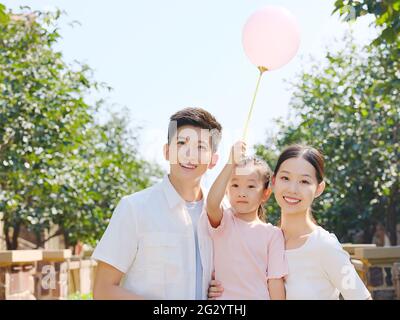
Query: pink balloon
[271, 37]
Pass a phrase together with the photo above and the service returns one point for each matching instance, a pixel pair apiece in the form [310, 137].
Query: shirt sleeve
[218, 230]
[118, 245]
[340, 271]
[277, 264]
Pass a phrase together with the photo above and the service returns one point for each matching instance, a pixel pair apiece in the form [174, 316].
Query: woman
[318, 266]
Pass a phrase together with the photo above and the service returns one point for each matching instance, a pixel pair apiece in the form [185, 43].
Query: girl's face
[295, 186]
[246, 191]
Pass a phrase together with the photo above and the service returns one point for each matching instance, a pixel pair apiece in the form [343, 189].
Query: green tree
[3, 14]
[106, 169]
[57, 165]
[348, 106]
[386, 12]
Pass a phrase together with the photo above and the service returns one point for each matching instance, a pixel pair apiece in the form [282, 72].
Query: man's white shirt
[150, 239]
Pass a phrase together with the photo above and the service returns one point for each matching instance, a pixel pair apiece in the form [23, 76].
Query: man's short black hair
[196, 117]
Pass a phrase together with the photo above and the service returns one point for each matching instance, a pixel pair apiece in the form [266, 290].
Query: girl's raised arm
[217, 191]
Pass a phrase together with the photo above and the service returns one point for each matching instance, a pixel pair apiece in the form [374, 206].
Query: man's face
[190, 153]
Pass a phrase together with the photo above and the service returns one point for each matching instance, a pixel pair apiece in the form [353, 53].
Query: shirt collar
[173, 197]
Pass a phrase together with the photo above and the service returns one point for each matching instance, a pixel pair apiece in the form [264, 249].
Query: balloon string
[262, 69]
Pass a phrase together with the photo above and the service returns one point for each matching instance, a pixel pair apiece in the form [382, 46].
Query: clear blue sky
[161, 56]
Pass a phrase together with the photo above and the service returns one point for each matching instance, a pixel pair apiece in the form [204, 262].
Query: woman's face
[295, 186]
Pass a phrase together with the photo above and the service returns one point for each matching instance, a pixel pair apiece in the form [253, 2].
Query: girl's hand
[215, 289]
[238, 152]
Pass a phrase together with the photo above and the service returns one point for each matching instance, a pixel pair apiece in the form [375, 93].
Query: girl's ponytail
[265, 173]
[261, 213]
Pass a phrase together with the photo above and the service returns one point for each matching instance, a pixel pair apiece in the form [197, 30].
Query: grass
[80, 296]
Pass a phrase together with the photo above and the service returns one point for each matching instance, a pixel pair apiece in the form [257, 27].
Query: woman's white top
[320, 270]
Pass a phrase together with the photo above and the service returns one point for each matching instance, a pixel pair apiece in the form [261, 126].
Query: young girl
[248, 253]
[318, 266]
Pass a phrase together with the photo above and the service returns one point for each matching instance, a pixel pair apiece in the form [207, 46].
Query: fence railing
[378, 267]
[44, 274]
[56, 274]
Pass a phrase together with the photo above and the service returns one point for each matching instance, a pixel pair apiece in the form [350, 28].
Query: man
[156, 245]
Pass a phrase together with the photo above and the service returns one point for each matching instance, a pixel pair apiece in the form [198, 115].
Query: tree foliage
[386, 12]
[348, 106]
[58, 165]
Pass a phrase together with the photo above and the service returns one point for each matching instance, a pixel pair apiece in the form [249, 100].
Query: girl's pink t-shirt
[246, 255]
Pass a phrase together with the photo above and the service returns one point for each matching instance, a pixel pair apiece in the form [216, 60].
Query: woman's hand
[215, 289]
